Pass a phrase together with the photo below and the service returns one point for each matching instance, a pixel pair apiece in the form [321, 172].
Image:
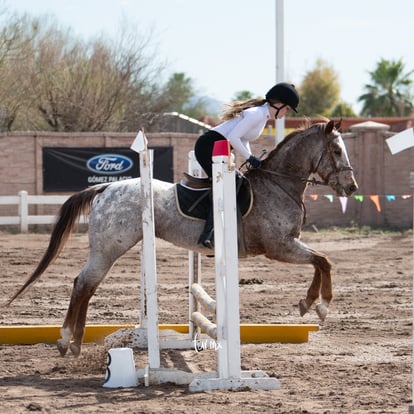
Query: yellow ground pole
[249, 333]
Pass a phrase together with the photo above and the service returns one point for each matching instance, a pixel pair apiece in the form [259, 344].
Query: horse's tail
[69, 213]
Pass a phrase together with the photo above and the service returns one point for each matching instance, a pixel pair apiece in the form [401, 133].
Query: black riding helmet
[285, 93]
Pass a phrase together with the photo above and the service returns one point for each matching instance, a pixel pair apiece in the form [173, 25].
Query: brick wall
[377, 171]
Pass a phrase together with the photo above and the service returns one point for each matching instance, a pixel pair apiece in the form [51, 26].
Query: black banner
[73, 169]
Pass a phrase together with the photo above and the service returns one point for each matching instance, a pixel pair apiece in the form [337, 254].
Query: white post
[194, 259]
[149, 258]
[149, 306]
[280, 63]
[23, 212]
[226, 260]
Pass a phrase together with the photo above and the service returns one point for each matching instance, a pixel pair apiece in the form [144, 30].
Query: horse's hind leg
[84, 287]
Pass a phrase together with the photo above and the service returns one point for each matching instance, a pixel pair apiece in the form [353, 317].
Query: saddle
[193, 196]
[193, 199]
[195, 183]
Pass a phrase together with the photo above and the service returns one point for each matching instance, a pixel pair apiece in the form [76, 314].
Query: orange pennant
[375, 200]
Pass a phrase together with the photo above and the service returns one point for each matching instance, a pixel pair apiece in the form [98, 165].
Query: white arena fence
[23, 219]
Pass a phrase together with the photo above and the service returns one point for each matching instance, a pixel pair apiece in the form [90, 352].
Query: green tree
[388, 94]
[180, 89]
[344, 110]
[183, 97]
[242, 95]
[319, 91]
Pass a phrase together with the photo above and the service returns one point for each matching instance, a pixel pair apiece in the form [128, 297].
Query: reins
[312, 181]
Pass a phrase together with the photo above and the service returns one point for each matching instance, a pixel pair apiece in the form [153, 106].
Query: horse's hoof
[62, 347]
[75, 349]
[303, 307]
[322, 311]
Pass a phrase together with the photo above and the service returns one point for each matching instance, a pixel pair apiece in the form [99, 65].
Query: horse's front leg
[321, 286]
[296, 252]
[312, 294]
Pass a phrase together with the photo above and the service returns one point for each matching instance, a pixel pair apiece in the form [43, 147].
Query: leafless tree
[52, 80]
[16, 36]
[89, 87]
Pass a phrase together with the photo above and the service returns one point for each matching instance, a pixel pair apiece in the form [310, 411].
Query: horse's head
[333, 165]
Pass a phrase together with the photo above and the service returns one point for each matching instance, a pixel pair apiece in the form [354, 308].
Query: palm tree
[389, 94]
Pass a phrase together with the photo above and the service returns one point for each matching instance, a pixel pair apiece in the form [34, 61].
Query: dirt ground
[358, 362]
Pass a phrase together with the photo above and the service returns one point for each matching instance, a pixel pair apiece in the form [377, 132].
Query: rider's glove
[254, 161]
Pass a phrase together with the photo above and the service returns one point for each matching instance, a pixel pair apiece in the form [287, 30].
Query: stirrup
[207, 239]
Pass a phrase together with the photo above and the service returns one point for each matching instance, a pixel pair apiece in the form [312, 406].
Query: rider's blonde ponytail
[235, 108]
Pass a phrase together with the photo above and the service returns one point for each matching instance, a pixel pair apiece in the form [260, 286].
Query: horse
[272, 228]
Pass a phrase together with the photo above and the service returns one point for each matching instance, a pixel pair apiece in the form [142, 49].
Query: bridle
[336, 170]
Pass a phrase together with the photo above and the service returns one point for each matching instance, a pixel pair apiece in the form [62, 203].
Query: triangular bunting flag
[359, 197]
[390, 197]
[344, 203]
[314, 197]
[329, 197]
[375, 200]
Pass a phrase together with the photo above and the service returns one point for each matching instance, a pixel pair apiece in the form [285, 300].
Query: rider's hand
[254, 161]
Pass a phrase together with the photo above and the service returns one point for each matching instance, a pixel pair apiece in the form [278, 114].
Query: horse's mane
[305, 127]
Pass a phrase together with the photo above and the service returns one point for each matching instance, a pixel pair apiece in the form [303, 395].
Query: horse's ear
[329, 128]
[338, 125]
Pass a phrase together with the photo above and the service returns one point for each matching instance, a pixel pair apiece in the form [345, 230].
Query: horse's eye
[337, 151]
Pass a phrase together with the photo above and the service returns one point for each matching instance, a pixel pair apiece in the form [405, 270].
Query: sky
[227, 46]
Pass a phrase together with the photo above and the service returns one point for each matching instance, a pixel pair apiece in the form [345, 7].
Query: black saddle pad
[195, 203]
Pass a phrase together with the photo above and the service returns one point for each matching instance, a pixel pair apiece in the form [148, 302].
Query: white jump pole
[226, 262]
[149, 306]
[194, 259]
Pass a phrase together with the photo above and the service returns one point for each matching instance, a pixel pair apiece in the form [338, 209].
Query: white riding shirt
[243, 129]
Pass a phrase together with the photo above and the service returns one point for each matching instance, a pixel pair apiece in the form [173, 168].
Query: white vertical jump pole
[226, 262]
[149, 308]
[194, 259]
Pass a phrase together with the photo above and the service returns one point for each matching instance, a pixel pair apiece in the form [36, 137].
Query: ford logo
[109, 164]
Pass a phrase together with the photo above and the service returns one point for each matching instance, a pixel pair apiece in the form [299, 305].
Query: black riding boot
[207, 236]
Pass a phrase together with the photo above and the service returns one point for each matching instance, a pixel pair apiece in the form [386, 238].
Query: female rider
[244, 122]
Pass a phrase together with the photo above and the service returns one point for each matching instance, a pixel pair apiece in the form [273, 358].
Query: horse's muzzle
[350, 188]
[345, 184]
